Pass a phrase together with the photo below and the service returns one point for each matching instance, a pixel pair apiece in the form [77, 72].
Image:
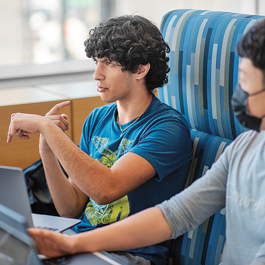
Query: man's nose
[98, 74]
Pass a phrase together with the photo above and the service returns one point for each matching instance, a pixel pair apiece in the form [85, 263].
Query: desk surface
[94, 258]
[26, 95]
[47, 93]
[74, 90]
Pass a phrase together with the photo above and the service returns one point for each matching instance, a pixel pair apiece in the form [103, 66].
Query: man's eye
[110, 63]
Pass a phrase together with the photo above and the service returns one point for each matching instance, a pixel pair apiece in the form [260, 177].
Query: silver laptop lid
[16, 246]
[13, 192]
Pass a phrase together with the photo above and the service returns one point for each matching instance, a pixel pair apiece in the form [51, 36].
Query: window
[37, 31]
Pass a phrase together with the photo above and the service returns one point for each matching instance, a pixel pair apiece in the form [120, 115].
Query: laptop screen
[13, 192]
[15, 244]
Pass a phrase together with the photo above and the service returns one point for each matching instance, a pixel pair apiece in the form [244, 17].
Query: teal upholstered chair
[204, 71]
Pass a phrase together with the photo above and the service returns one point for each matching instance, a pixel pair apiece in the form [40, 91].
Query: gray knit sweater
[235, 181]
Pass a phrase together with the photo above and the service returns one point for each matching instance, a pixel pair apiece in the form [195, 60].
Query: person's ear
[142, 71]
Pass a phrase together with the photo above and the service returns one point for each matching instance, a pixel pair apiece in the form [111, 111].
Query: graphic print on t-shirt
[105, 214]
[109, 157]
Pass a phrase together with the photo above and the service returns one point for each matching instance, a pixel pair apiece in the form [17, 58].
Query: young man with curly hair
[134, 153]
[235, 181]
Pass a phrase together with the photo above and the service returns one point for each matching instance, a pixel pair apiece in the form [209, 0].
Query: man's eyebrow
[105, 60]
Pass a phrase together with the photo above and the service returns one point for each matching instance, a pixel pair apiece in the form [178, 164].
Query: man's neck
[133, 108]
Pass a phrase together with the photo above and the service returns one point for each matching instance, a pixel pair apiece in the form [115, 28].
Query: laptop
[17, 247]
[14, 195]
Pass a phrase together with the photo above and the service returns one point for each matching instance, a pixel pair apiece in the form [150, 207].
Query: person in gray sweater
[235, 181]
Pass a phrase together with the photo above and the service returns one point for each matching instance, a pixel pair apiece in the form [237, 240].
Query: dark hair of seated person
[131, 41]
[252, 46]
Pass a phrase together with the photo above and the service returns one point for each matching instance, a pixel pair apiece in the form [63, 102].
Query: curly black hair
[252, 45]
[131, 41]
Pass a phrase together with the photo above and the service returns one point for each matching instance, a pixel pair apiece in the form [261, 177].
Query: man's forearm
[102, 184]
[64, 196]
[88, 174]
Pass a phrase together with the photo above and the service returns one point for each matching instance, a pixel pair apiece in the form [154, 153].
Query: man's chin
[107, 100]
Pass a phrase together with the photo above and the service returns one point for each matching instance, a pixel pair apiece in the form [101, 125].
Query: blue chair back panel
[204, 67]
[203, 75]
[206, 150]
[203, 245]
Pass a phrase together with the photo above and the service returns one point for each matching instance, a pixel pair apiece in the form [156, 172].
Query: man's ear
[142, 71]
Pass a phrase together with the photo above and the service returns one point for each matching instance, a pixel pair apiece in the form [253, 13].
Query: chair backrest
[204, 72]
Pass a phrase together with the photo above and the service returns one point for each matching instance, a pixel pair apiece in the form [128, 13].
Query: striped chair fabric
[204, 72]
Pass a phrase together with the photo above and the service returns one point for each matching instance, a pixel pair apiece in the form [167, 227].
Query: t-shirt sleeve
[166, 145]
[206, 196]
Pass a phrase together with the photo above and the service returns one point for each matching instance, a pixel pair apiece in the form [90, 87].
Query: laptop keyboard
[55, 261]
[47, 228]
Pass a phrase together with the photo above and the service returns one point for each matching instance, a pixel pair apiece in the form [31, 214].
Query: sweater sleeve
[259, 258]
[188, 209]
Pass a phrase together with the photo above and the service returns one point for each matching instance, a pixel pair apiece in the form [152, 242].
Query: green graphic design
[109, 213]
[108, 157]
[105, 214]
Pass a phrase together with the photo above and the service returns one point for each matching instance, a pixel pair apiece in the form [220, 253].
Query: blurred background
[45, 31]
[42, 58]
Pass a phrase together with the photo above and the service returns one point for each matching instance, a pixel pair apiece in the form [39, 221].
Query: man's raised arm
[88, 176]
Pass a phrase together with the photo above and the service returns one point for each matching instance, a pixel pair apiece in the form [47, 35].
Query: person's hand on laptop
[51, 244]
[22, 124]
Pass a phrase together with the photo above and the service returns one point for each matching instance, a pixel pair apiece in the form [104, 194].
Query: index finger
[9, 138]
[57, 107]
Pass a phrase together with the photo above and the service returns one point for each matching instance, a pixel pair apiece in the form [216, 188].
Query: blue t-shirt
[162, 136]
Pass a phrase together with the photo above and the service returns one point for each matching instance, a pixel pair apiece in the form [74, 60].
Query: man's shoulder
[246, 136]
[244, 140]
[164, 108]
[167, 114]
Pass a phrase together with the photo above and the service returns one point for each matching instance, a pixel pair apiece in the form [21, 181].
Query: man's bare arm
[68, 199]
[102, 184]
